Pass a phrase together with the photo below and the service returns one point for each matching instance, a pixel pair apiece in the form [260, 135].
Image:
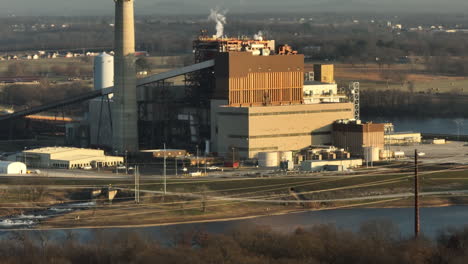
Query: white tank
[371, 154]
[256, 52]
[286, 156]
[103, 71]
[266, 52]
[268, 159]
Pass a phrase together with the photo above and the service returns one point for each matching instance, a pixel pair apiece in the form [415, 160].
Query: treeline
[389, 103]
[331, 37]
[375, 242]
[44, 92]
[71, 69]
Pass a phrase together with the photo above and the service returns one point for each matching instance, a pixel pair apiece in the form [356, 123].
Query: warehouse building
[66, 158]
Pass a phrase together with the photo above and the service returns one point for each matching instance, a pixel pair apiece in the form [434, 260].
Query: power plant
[242, 97]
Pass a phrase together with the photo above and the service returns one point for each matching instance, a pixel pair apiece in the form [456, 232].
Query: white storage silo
[268, 159]
[103, 71]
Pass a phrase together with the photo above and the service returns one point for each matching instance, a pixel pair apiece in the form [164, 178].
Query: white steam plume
[218, 16]
[259, 36]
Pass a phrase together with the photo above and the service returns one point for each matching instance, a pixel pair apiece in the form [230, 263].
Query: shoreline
[247, 217]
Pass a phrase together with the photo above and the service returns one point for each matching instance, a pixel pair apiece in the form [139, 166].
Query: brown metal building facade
[247, 80]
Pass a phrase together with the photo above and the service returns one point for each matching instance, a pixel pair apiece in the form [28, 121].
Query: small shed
[9, 167]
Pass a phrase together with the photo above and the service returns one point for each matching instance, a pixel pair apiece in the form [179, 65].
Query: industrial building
[251, 100]
[66, 158]
[242, 96]
[357, 137]
[250, 130]
[402, 138]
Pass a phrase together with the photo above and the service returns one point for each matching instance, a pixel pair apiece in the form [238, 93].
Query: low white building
[319, 92]
[66, 158]
[10, 167]
[396, 138]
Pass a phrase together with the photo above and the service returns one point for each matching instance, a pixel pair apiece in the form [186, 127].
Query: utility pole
[416, 196]
[137, 184]
[198, 164]
[165, 176]
[126, 162]
[24, 155]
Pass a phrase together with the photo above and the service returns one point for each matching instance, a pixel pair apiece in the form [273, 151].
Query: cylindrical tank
[371, 154]
[103, 71]
[268, 159]
[256, 52]
[286, 156]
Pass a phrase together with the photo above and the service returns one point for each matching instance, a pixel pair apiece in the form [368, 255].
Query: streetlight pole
[165, 176]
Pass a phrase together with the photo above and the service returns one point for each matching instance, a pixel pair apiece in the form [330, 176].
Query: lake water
[450, 126]
[432, 220]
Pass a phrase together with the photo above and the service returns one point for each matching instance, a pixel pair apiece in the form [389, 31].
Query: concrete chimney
[124, 114]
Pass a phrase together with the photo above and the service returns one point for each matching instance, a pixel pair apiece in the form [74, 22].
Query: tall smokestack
[125, 117]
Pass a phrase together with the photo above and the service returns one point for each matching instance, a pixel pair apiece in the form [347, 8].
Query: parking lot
[451, 152]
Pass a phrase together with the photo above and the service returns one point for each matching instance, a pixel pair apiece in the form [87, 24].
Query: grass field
[371, 76]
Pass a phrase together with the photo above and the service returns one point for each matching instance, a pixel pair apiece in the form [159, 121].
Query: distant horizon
[186, 7]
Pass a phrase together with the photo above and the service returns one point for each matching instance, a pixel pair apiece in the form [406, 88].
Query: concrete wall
[275, 128]
[226, 123]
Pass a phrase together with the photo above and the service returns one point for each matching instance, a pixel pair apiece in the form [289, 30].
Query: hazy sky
[98, 7]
